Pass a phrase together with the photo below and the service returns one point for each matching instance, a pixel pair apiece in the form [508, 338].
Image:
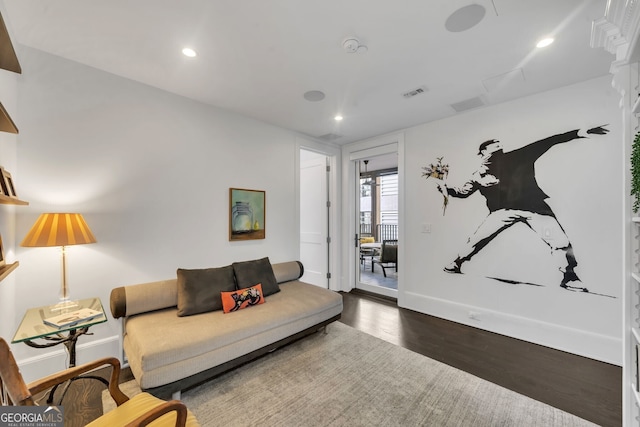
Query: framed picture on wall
[4, 190]
[247, 214]
[3, 262]
[8, 189]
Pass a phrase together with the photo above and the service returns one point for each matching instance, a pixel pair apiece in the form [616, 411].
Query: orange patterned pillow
[243, 298]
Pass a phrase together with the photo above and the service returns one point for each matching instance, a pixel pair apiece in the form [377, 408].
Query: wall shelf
[6, 200]
[6, 269]
[8, 57]
[6, 124]
[8, 61]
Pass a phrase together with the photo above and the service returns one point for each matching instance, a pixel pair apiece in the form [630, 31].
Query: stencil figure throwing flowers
[508, 183]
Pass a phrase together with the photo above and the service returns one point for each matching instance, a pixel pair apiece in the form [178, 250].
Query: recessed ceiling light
[544, 42]
[187, 51]
[338, 118]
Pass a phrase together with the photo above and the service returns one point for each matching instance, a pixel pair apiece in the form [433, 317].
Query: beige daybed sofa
[168, 353]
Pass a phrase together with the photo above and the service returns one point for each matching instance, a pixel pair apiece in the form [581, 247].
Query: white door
[314, 225]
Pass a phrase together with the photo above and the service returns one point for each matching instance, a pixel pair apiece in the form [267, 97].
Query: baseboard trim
[379, 290]
[583, 343]
[56, 358]
[374, 295]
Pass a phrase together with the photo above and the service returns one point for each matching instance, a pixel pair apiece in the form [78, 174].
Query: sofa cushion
[250, 273]
[243, 298]
[287, 271]
[199, 290]
[144, 297]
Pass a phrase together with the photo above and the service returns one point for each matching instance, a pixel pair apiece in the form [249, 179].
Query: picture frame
[3, 261]
[4, 190]
[247, 214]
[8, 188]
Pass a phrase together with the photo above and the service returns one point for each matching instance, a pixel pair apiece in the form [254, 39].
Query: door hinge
[328, 203]
[328, 239]
[328, 168]
[328, 275]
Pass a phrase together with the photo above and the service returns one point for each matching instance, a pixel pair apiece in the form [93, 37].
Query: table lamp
[60, 229]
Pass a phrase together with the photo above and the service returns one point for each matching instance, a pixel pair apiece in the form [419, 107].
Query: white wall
[583, 179]
[151, 172]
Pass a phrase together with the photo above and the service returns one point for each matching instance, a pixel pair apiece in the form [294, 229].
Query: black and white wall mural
[507, 181]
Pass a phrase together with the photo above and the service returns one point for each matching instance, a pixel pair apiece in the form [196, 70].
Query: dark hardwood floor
[584, 387]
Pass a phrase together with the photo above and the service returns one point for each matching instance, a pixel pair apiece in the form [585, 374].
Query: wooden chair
[141, 410]
[388, 256]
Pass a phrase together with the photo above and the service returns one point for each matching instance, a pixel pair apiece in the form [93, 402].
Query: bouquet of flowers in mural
[438, 171]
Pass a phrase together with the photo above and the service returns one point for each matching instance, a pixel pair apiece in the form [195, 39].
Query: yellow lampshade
[59, 229]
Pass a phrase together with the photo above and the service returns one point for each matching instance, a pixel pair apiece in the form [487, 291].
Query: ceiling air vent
[414, 92]
[468, 104]
[330, 137]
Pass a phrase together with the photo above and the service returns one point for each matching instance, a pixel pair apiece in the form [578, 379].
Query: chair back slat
[14, 390]
[389, 251]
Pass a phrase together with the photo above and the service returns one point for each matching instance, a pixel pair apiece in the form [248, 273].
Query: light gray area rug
[350, 378]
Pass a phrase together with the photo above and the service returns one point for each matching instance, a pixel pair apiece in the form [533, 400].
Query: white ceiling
[258, 57]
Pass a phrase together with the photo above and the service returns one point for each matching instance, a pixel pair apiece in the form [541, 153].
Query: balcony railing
[382, 231]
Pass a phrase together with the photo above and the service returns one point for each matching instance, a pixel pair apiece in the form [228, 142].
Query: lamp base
[64, 305]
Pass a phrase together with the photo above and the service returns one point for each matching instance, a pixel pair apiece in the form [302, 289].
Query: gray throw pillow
[250, 273]
[199, 290]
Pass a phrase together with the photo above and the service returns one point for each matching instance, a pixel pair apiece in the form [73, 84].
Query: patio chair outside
[388, 256]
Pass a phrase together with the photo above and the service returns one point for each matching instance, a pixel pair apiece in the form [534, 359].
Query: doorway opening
[377, 224]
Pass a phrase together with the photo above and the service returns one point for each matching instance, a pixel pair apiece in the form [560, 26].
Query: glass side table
[33, 328]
